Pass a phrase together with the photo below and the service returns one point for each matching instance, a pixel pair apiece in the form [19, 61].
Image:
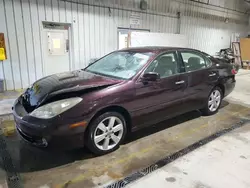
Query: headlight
[53, 109]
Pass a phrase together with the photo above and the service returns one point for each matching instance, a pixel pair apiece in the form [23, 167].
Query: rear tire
[213, 102]
[106, 133]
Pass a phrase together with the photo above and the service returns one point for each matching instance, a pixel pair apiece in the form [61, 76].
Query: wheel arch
[222, 87]
[114, 108]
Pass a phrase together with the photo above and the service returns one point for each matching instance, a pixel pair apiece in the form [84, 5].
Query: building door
[123, 36]
[56, 49]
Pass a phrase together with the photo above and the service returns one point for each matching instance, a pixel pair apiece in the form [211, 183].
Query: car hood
[62, 83]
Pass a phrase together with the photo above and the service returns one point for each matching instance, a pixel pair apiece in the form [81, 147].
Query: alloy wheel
[214, 100]
[108, 133]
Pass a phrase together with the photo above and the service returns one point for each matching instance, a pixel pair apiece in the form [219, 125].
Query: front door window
[165, 65]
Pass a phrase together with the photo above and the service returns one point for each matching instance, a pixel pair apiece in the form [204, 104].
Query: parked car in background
[122, 92]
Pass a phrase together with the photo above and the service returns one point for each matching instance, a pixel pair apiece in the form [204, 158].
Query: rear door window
[193, 61]
[208, 62]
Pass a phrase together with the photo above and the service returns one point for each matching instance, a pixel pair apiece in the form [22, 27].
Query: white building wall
[206, 27]
[94, 29]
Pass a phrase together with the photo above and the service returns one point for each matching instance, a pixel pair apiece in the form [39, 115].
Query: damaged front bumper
[54, 133]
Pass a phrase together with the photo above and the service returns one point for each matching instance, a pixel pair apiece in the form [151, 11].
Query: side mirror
[150, 76]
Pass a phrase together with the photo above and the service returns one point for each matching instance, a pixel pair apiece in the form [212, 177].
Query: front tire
[106, 132]
[213, 102]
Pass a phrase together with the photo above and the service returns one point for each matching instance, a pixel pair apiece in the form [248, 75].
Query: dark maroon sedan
[120, 93]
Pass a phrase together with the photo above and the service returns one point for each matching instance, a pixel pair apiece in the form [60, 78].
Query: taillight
[233, 71]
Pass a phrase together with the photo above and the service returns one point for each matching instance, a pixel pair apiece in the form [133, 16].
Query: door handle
[180, 82]
[213, 74]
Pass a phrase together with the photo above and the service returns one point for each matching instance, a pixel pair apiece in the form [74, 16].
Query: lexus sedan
[120, 93]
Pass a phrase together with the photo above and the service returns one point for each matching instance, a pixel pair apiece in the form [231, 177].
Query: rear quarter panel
[226, 77]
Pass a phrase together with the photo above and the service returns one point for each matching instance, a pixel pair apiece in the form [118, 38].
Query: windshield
[123, 65]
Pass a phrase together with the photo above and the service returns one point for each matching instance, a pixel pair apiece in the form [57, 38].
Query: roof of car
[155, 48]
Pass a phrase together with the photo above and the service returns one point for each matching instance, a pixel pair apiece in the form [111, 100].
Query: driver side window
[165, 65]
